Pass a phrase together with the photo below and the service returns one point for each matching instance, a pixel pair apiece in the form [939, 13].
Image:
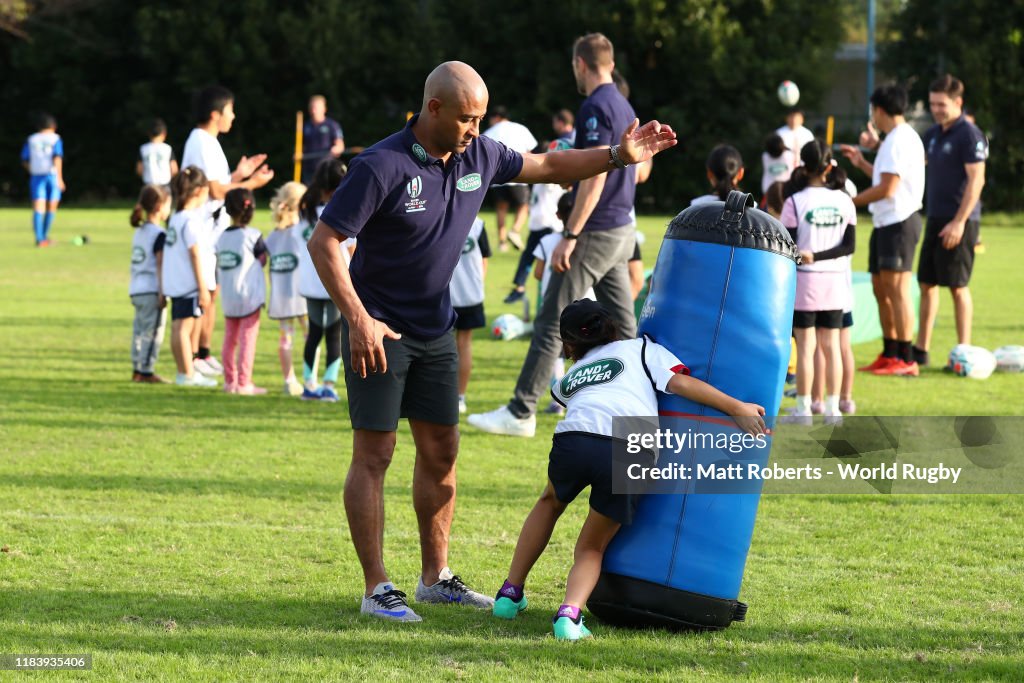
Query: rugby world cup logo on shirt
[413, 188]
[226, 260]
[591, 374]
[824, 217]
[592, 133]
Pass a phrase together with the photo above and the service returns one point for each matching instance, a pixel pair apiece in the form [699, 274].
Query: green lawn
[181, 533]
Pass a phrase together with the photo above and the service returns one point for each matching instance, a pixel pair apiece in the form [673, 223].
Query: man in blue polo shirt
[322, 138]
[411, 200]
[955, 174]
[600, 223]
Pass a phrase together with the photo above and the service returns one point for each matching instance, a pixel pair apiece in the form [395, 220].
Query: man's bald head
[454, 83]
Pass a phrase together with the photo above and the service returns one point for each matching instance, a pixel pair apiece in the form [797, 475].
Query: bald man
[410, 200]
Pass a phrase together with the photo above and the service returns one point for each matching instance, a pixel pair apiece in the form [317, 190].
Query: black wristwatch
[566, 235]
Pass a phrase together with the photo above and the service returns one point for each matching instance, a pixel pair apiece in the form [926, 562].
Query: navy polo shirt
[412, 214]
[317, 139]
[948, 152]
[602, 119]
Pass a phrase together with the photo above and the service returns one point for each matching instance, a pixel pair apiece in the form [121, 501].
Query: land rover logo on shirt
[777, 168]
[598, 372]
[469, 245]
[172, 236]
[824, 217]
[226, 260]
[307, 233]
[421, 154]
[414, 187]
[468, 183]
[283, 263]
[139, 254]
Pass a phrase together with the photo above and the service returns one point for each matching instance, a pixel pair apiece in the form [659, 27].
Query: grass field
[182, 533]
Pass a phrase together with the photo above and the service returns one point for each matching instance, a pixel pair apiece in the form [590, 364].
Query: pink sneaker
[817, 408]
[251, 390]
[847, 407]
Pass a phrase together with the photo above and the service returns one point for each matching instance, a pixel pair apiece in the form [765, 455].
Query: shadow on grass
[330, 627]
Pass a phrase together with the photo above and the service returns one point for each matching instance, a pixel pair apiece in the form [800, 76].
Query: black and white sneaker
[388, 603]
[451, 590]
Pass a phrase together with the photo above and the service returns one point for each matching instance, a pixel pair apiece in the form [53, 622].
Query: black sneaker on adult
[514, 296]
[920, 356]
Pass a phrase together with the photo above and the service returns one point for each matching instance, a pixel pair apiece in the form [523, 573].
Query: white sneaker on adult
[450, 589]
[388, 603]
[502, 421]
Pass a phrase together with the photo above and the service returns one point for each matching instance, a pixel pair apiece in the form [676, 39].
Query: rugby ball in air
[507, 326]
[788, 93]
[1009, 358]
[971, 361]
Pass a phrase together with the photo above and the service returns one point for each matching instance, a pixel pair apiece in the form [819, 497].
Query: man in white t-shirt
[794, 134]
[214, 114]
[514, 196]
[894, 198]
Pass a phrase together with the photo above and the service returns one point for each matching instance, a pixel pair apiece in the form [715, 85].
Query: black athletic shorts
[579, 460]
[185, 307]
[847, 319]
[829, 320]
[892, 246]
[515, 195]
[470, 317]
[946, 267]
[421, 383]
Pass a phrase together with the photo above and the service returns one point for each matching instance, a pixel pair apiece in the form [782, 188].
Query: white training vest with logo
[614, 381]
[822, 216]
[310, 285]
[179, 278]
[156, 163]
[240, 275]
[144, 260]
[467, 285]
[285, 247]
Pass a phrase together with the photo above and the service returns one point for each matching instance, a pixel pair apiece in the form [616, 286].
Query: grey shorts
[421, 384]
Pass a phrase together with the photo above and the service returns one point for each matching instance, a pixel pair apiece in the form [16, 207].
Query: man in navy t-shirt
[600, 224]
[322, 137]
[955, 174]
[410, 200]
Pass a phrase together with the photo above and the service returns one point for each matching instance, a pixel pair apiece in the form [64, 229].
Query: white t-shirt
[243, 288]
[901, 153]
[285, 246]
[467, 285]
[544, 206]
[515, 136]
[310, 285]
[144, 260]
[704, 199]
[776, 169]
[203, 151]
[543, 251]
[156, 163]
[184, 231]
[614, 380]
[795, 139]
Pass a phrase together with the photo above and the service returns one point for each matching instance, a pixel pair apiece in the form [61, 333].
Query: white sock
[803, 404]
[832, 405]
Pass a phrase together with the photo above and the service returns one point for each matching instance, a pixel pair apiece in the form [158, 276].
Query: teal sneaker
[507, 608]
[568, 629]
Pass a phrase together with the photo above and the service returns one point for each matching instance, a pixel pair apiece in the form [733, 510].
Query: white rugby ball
[788, 93]
[1009, 358]
[507, 326]
[971, 361]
